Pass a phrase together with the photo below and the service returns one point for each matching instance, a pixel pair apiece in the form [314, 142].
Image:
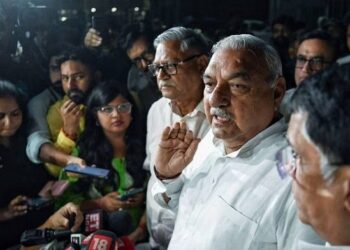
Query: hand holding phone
[38, 203]
[89, 171]
[131, 193]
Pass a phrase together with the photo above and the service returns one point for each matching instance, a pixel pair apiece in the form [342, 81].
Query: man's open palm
[176, 149]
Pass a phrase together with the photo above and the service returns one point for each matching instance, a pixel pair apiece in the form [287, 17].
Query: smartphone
[38, 202]
[131, 193]
[89, 171]
[100, 23]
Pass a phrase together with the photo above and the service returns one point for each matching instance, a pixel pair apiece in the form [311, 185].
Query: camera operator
[60, 220]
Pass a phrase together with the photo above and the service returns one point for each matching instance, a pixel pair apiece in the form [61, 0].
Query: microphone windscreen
[120, 222]
[102, 240]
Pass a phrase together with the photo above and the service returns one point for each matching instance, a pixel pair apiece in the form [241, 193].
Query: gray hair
[258, 47]
[189, 38]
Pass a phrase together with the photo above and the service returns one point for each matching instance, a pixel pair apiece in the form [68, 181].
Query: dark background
[175, 11]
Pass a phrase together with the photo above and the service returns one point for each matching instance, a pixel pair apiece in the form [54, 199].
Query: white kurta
[235, 201]
[161, 220]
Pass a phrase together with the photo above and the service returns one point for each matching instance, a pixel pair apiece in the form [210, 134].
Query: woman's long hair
[93, 145]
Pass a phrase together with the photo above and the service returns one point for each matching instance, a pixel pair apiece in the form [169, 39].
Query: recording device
[77, 239]
[102, 239]
[131, 193]
[76, 95]
[38, 203]
[99, 239]
[100, 23]
[119, 222]
[89, 171]
[94, 221]
[41, 236]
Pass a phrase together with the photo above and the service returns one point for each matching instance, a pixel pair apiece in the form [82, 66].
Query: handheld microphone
[102, 240]
[93, 221]
[41, 236]
[120, 223]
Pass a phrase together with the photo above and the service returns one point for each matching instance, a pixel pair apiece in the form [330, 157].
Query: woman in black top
[19, 178]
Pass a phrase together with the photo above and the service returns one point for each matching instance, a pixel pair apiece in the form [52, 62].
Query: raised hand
[71, 113]
[92, 38]
[176, 150]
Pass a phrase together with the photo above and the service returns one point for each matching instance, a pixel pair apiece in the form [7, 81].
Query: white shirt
[234, 201]
[308, 246]
[162, 114]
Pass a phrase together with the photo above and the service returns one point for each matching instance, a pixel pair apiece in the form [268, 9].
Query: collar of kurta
[246, 150]
[175, 109]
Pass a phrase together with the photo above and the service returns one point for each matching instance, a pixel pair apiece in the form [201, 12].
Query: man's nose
[307, 67]
[7, 121]
[71, 83]
[220, 96]
[162, 74]
[143, 64]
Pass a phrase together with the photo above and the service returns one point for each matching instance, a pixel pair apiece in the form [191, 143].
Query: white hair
[257, 46]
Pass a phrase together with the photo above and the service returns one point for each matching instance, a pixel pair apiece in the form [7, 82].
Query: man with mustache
[230, 196]
[180, 59]
[65, 117]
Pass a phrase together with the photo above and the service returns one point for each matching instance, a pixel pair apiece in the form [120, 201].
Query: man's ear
[202, 63]
[279, 91]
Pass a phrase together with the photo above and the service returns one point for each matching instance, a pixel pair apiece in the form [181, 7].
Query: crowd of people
[235, 142]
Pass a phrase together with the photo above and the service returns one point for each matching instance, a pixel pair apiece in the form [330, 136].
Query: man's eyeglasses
[169, 68]
[147, 56]
[123, 108]
[286, 161]
[315, 63]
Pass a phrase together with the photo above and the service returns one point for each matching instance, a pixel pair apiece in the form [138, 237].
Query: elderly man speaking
[230, 196]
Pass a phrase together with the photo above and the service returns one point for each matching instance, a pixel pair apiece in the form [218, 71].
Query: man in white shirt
[230, 196]
[319, 135]
[180, 60]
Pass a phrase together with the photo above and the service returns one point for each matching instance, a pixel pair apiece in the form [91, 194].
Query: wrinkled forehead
[226, 61]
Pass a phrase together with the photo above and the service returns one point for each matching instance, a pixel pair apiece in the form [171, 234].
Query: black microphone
[120, 223]
[94, 220]
[41, 236]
